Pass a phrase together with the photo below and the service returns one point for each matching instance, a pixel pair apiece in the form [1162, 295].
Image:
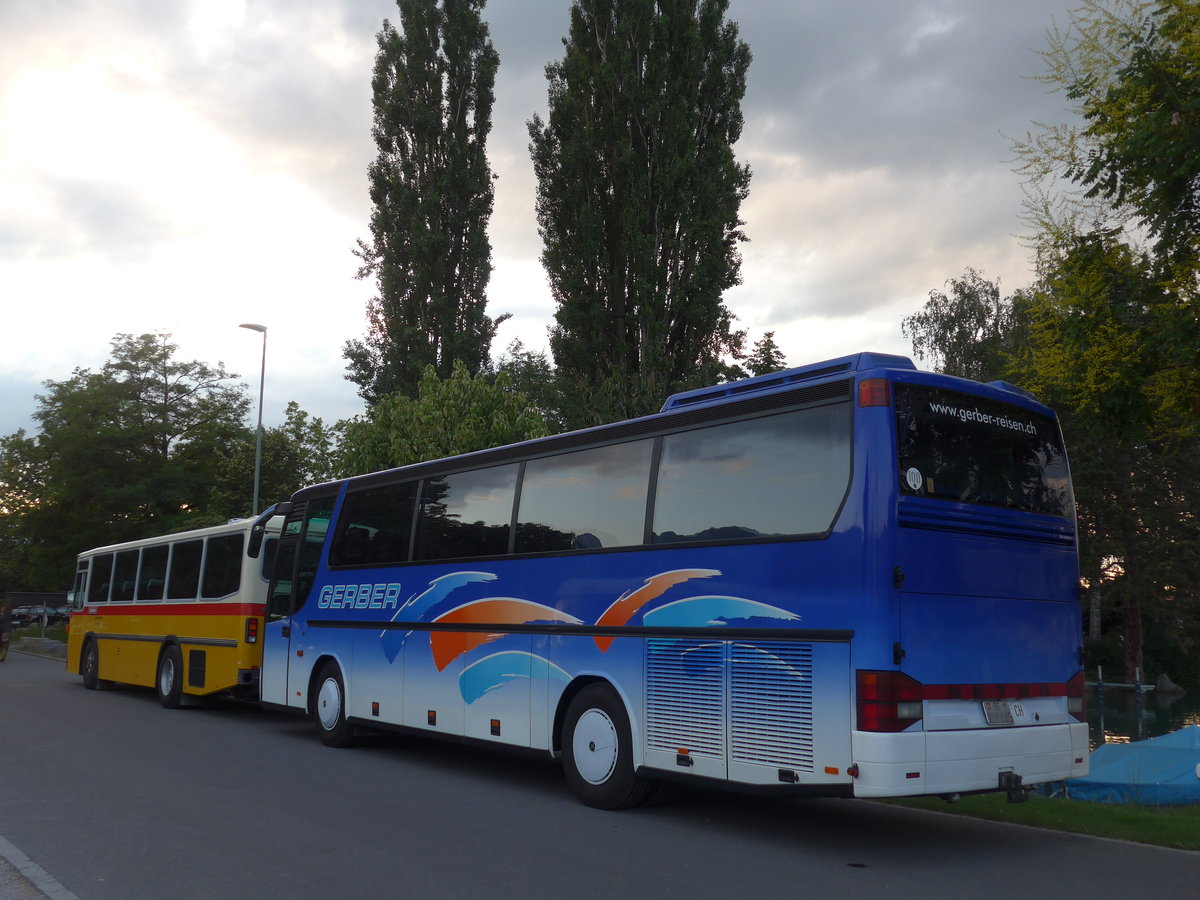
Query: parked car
[24, 616]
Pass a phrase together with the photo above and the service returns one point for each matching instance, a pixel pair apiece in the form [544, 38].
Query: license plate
[998, 712]
[1005, 712]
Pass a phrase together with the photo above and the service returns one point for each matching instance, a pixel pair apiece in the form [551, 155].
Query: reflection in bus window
[125, 576]
[585, 500]
[101, 579]
[184, 580]
[374, 526]
[466, 514]
[779, 475]
[222, 566]
[152, 577]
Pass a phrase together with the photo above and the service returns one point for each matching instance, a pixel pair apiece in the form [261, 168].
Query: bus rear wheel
[597, 748]
[89, 666]
[169, 684]
[329, 708]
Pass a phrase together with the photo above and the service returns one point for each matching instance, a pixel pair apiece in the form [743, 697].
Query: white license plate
[1005, 712]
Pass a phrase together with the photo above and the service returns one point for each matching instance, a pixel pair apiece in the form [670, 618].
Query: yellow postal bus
[180, 613]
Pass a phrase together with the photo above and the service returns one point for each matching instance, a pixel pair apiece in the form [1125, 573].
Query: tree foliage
[532, 375]
[124, 452]
[146, 445]
[1100, 338]
[1109, 334]
[301, 451]
[970, 331]
[1117, 352]
[638, 200]
[459, 414]
[1082, 60]
[765, 357]
[431, 195]
[1144, 128]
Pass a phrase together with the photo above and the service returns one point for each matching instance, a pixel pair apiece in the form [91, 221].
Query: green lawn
[1166, 826]
[53, 632]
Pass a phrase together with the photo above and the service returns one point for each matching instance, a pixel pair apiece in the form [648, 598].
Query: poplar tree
[431, 191]
[638, 199]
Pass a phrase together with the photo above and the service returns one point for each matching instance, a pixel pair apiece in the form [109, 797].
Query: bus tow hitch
[1010, 782]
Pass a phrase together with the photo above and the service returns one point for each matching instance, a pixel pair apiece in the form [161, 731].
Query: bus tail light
[252, 630]
[887, 701]
[874, 392]
[1076, 704]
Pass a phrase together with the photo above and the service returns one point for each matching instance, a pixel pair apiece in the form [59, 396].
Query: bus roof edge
[843, 365]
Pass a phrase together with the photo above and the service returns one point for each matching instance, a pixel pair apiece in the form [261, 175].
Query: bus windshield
[960, 447]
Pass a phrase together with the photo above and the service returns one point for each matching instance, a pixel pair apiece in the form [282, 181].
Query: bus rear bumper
[952, 762]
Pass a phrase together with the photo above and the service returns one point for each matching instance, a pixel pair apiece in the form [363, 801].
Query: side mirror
[259, 529]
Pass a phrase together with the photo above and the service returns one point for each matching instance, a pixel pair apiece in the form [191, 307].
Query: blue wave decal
[701, 612]
[499, 669]
[392, 642]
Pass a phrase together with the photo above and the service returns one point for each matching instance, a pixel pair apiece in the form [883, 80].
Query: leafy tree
[1082, 60]
[1108, 349]
[638, 198]
[1104, 341]
[460, 414]
[299, 452]
[431, 190]
[970, 331]
[532, 375]
[1144, 128]
[125, 452]
[766, 357]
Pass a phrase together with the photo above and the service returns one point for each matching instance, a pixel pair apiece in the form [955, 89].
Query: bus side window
[152, 577]
[298, 556]
[466, 514]
[269, 555]
[125, 575]
[223, 566]
[586, 499]
[183, 583]
[101, 579]
[775, 476]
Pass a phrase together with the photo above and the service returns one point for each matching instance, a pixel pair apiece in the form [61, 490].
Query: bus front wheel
[169, 684]
[597, 749]
[329, 708]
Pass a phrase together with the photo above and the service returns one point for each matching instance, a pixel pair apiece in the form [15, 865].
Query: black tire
[597, 749]
[329, 707]
[89, 666]
[169, 683]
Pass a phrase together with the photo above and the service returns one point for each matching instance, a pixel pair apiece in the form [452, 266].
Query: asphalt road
[111, 796]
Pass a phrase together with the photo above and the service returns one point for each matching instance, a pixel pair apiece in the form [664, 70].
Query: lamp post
[262, 377]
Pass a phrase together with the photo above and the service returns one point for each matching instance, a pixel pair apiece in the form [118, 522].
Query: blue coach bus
[847, 579]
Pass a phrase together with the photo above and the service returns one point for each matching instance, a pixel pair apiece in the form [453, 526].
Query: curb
[18, 870]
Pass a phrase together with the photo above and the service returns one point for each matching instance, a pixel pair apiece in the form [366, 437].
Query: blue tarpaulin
[1162, 771]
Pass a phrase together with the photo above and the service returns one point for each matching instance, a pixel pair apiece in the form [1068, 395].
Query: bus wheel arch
[327, 704]
[597, 749]
[168, 677]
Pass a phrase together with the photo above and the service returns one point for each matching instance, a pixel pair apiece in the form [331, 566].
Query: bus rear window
[975, 450]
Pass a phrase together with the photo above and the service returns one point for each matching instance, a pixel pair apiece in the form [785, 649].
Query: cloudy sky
[189, 165]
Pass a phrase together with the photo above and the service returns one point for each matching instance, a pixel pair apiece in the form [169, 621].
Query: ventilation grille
[771, 705]
[753, 699]
[685, 697]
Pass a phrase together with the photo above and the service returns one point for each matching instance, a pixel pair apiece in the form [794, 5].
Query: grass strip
[1164, 826]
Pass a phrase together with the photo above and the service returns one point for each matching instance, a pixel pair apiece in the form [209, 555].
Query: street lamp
[262, 377]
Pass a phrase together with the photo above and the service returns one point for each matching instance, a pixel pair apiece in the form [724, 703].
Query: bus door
[297, 559]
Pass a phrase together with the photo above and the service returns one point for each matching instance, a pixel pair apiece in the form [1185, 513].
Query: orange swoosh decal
[630, 602]
[447, 646]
